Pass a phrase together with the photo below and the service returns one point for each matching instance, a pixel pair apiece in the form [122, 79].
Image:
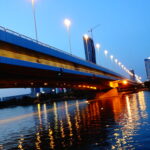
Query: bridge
[25, 62]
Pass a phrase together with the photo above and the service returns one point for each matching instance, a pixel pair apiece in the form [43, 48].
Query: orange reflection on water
[134, 107]
[45, 112]
[77, 120]
[39, 112]
[38, 141]
[55, 115]
[20, 142]
[62, 129]
[50, 134]
[68, 119]
[111, 120]
[142, 104]
[128, 108]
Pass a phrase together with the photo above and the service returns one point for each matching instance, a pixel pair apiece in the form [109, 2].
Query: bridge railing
[38, 42]
[45, 45]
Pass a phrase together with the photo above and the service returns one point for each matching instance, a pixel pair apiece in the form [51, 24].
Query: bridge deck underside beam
[17, 73]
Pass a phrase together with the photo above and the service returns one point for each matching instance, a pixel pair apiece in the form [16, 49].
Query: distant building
[132, 77]
[89, 49]
[147, 66]
[35, 91]
[10, 93]
[46, 90]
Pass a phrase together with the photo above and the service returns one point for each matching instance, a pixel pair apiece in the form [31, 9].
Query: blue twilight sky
[124, 26]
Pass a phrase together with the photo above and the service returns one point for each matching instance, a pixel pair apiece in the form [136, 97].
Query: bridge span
[25, 62]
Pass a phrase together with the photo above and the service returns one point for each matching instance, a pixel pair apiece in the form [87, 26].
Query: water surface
[115, 123]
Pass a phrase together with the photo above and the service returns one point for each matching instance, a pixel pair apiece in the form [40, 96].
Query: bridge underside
[16, 73]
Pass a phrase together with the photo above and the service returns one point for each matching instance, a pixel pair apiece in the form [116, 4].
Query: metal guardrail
[38, 42]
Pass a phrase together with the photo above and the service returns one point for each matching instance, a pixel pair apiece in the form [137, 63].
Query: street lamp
[34, 17]
[105, 52]
[98, 46]
[116, 60]
[111, 57]
[67, 23]
[119, 63]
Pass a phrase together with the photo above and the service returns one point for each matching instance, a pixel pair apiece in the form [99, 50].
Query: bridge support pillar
[108, 94]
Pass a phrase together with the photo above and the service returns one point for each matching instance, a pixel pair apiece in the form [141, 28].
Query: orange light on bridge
[125, 82]
[45, 83]
[113, 84]
[31, 83]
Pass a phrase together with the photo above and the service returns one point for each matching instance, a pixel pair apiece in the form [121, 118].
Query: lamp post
[86, 37]
[34, 17]
[111, 57]
[105, 52]
[67, 23]
[98, 46]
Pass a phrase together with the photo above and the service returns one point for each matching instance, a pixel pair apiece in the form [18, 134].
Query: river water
[120, 123]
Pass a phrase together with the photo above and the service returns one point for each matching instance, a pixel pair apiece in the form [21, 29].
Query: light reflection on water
[115, 123]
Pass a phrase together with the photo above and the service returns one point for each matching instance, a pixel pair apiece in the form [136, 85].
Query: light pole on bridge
[34, 17]
[98, 46]
[67, 23]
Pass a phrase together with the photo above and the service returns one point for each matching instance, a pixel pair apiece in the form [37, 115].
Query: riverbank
[48, 98]
[53, 97]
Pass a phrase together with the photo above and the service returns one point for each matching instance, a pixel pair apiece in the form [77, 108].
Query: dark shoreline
[47, 98]
[53, 97]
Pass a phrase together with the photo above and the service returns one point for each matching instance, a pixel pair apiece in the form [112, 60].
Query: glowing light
[98, 46]
[95, 88]
[105, 52]
[31, 83]
[116, 60]
[32, 2]
[113, 84]
[37, 94]
[125, 82]
[84, 86]
[111, 57]
[53, 90]
[45, 83]
[67, 23]
[86, 36]
[119, 63]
